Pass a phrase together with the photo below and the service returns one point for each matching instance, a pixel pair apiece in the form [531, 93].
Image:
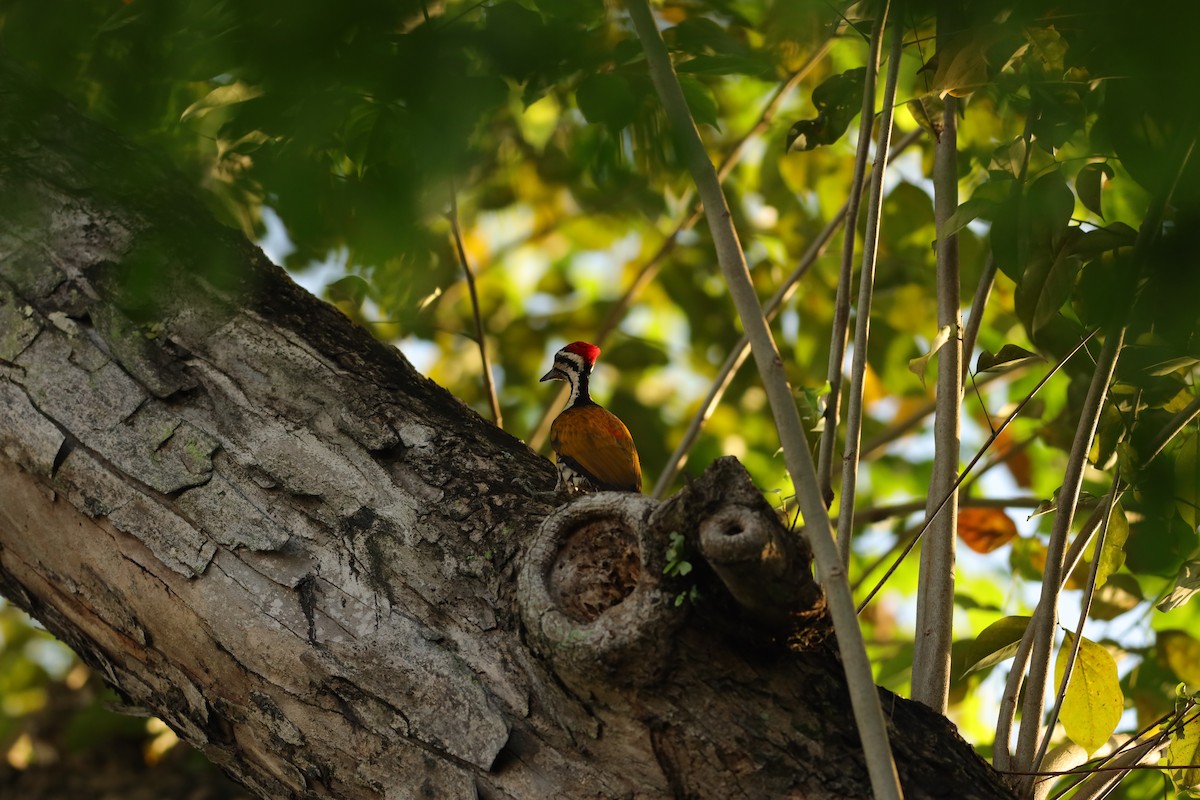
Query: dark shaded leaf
[995, 643]
[1009, 357]
[700, 100]
[606, 99]
[726, 65]
[1088, 184]
[838, 101]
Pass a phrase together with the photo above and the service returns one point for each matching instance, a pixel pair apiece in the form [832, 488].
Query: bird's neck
[579, 390]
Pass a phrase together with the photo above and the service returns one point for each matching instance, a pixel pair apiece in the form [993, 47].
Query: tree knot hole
[597, 567]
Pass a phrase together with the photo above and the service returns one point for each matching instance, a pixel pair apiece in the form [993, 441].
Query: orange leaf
[985, 529]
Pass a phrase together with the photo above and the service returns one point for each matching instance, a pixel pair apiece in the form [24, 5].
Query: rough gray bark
[267, 529]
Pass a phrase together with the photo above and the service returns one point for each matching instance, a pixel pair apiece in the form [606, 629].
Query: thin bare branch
[1043, 626]
[841, 308]
[975, 318]
[866, 283]
[488, 384]
[864, 696]
[1041, 789]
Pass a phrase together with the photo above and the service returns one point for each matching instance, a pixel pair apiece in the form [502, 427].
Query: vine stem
[864, 696]
[866, 285]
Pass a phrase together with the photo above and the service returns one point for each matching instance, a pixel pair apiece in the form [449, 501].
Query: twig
[866, 284]
[841, 308]
[1001, 757]
[488, 384]
[880, 513]
[975, 318]
[864, 696]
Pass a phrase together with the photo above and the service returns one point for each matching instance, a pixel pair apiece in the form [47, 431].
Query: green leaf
[966, 213]
[236, 92]
[1112, 555]
[701, 101]
[1088, 184]
[838, 100]
[927, 110]
[606, 99]
[1172, 365]
[1093, 702]
[1009, 357]
[917, 365]
[725, 65]
[1187, 583]
[995, 643]
[1103, 240]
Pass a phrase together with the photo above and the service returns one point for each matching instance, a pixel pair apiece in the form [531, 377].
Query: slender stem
[864, 696]
[1177, 423]
[866, 284]
[1068, 498]
[1041, 789]
[935, 581]
[975, 319]
[649, 270]
[737, 356]
[841, 308]
[1001, 757]
[488, 384]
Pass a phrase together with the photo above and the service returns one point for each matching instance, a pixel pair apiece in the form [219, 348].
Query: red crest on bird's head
[588, 352]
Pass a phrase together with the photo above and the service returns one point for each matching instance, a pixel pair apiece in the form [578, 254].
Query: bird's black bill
[555, 374]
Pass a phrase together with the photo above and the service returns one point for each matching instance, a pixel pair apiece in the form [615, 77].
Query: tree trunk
[266, 528]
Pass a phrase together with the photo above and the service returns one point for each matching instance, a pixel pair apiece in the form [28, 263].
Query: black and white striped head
[573, 364]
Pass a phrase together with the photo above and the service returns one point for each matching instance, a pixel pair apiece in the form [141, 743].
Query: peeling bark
[266, 528]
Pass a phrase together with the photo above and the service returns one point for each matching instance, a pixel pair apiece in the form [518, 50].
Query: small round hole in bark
[732, 527]
[597, 567]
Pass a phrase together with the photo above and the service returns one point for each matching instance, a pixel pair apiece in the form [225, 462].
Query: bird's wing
[599, 445]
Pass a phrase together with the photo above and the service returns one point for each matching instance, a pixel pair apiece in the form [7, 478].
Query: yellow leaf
[1183, 756]
[1093, 703]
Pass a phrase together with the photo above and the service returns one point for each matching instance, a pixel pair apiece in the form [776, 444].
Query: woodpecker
[593, 449]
